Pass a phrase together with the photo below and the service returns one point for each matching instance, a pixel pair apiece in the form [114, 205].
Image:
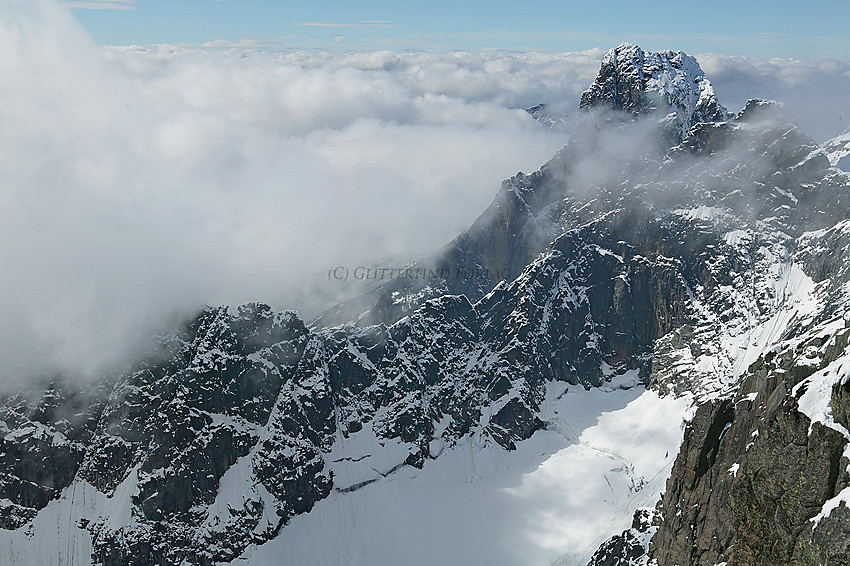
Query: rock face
[837, 150]
[763, 472]
[706, 260]
[754, 471]
[630, 547]
[548, 116]
[45, 439]
[638, 82]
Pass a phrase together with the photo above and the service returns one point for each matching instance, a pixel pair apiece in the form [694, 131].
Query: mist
[139, 183]
[814, 93]
[142, 183]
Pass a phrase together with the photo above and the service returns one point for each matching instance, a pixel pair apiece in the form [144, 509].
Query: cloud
[101, 4]
[141, 183]
[363, 24]
[815, 92]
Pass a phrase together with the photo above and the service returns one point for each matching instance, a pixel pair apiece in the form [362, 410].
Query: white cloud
[101, 4]
[363, 24]
[815, 92]
[142, 183]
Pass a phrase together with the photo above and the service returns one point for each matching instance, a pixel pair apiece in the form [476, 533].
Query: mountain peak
[837, 149]
[639, 82]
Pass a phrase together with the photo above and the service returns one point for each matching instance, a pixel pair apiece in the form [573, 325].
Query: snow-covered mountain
[640, 82]
[672, 262]
[837, 149]
[549, 117]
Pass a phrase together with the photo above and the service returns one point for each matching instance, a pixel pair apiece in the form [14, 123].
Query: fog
[815, 93]
[140, 183]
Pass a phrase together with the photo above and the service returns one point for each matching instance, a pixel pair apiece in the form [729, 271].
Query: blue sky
[760, 29]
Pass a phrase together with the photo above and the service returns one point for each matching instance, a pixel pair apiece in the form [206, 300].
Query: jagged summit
[639, 82]
[647, 160]
[548, 116]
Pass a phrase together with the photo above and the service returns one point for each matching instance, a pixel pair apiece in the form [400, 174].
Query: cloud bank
[815, 93]
[137, 184]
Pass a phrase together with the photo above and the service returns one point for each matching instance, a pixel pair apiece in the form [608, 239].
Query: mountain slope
[837, 149]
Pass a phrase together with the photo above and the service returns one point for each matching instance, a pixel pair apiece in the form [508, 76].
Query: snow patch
[815, 402]
[706, 213]
[557, 497]
[842, 498]
[57, 537]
